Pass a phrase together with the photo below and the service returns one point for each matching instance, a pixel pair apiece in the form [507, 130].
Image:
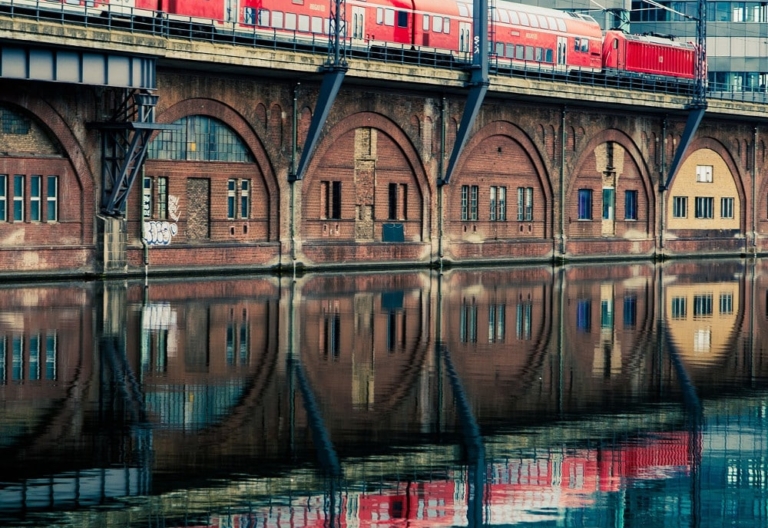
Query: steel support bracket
[691, 126]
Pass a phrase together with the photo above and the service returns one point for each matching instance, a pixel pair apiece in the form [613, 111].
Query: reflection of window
[468, 323]
[3, 373]
[496, 322]
[396, 330]
[51, 352]
[606, 314]
[679, 307]
[34, 357]
[630, 311]
[524, 316]
[702, 340]
[584, 315]
[726, 303]
[702, 305]
[330, 334]
[17, 358]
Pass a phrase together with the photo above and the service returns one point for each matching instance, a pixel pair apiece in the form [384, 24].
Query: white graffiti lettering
[174, 211]
[158, 233]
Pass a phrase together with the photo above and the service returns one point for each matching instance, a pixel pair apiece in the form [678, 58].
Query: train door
[358, 24]
[230, 11]
[465, 37]
[562, 49]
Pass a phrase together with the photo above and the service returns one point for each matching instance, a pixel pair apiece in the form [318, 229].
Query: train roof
[662, 40]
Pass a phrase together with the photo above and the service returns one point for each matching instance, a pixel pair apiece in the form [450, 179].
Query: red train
[524, 36]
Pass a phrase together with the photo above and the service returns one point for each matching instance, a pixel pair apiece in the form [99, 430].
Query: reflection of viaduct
[525, 344]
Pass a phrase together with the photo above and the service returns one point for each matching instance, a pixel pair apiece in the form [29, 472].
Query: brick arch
[519, 136]
[50, 119]
[245, 131]
[396, 134]
[725, 153]
[629, 146]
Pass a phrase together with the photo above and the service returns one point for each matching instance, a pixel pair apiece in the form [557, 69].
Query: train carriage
[648, 54]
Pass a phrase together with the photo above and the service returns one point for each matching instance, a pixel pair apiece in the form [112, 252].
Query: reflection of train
[525, 36]
[515, 488]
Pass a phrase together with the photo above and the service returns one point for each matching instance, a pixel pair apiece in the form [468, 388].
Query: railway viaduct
[552, 170]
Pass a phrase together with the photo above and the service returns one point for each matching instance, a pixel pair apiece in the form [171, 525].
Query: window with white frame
[35, 198]
[705, 207]
[726, 207]
[704, 173]
[680, 207]
[52, 198]
[18, 197]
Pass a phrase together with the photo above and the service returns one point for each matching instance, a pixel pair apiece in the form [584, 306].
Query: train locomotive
[524, 37]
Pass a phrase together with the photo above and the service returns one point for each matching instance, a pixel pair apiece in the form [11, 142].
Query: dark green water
[585, 396]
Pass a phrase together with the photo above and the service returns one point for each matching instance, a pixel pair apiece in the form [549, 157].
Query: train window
[585, 45]
[402, 19]
[379, 15]
[529, 53]
[263, 19]
[504, 15]
[447, 25]
[249, 16]
[304, 23]
[577, 44]
[561, 25]
[524, 19]
[317, 25]
[548, 55]
[534, 21]
[463, 11]
[277, 19]
[539, 55]
[615, 43]
[298, 2]
[437, 24]
[290, 21]
[511, 51]
[389, 17]
[495, 15]
[519, 52]
[425, 23]
[500, 49]
[543, 22]
[514, 18]
[552, 23]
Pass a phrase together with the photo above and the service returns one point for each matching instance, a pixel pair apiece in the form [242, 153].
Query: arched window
[199, 138]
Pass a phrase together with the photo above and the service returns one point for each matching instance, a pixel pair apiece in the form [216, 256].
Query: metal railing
[163, 25]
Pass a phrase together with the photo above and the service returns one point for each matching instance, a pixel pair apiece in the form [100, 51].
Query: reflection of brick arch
[54, 123]
[245, 131]
[725, 154]
[518, 135]
[388, 127]
[627, 143]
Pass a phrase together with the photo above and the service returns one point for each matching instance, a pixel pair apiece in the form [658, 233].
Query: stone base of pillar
[111, 244]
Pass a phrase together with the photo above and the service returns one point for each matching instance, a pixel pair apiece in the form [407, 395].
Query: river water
[577, 396]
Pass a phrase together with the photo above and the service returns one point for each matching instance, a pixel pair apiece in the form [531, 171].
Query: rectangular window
[606, 313]
[392, 214]
[585, 204]
[317, 25]
[496, 323]
[245, 198]
[51, 352]
[304, 23]
[468, 323]
[437, 24]
[146, 197]
[465, 203]
[726, 207]
[702, 305]
[680, 207]
[704, 173]
[498, 203]
[705, 207]
[330, 199]
[17, 358]
[34, 357]
[290, 21]
[3, 373]
[425, 23]
[608, 203]
[52, 198]
[726, 303]
[18, 198]
[402, 19]
[630, 205]
[231, 198]
[389, 17]
[3, 197]
[679, 307]
[162, 198]
[473, 192]
[35, 196]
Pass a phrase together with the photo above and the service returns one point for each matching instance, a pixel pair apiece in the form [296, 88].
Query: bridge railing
[93, 13]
